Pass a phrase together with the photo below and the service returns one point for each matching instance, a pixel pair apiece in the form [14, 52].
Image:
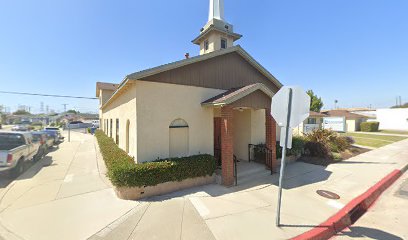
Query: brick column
[227, 148]
[270, 139]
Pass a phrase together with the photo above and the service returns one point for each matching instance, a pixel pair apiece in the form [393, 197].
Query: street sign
[290, 106]
[300, 108]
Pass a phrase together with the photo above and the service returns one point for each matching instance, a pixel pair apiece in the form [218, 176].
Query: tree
[73, 111]
[21, 112]
[316, 102]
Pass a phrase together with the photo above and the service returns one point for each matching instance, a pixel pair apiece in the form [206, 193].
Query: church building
[216, 103]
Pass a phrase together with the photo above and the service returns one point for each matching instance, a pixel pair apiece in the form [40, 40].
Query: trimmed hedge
[124, 172]
[369, 126]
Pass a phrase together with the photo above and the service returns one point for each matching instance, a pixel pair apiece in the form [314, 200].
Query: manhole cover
[328, 194]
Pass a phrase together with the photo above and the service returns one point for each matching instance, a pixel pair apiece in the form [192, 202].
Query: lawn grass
[374, 141]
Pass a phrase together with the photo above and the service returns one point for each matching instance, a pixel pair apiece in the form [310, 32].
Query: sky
[352, 51]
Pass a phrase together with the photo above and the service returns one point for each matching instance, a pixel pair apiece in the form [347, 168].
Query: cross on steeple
[217, 34]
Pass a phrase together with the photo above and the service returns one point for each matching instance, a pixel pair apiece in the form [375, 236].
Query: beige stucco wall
[123, 108]
[214, 42]
[351, 125]
[258, 126]
[249, 128]
[158, 104]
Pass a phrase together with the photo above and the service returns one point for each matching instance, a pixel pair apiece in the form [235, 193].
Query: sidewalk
[248, 211]
[63, 196]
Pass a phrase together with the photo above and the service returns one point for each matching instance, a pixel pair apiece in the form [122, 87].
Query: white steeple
[216, 10]
[217, 34]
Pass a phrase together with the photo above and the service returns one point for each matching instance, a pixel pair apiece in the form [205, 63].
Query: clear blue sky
[353, 51]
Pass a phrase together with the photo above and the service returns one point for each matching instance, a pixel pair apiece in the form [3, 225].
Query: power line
[47, 95]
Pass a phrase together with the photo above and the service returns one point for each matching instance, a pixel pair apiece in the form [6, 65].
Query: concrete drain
[328, 194]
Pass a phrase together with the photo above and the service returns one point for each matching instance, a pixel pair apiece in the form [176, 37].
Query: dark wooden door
[217, 139]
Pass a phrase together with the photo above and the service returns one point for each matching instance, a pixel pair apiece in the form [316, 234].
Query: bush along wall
[124, 172]
[369, 126]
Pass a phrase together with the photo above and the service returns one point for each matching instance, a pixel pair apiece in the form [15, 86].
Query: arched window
[178, 138]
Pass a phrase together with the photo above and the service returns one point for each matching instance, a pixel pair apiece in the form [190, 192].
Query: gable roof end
[105, 86]
[166, 67]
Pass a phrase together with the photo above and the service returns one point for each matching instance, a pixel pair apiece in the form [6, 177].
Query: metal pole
[282, 169]
[69, 133]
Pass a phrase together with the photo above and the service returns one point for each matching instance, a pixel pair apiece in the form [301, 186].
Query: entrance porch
[242, 119]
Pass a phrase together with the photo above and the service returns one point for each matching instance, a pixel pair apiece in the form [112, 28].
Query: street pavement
[387, 219]
[67, 196]
[63, 196]
[248, 210]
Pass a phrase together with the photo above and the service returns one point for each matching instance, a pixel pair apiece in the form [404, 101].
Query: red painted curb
[351, 212]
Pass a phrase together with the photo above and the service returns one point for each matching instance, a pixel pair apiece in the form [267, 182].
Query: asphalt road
[387, 219]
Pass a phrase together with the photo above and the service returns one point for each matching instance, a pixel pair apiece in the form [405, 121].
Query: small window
[311, 121]
[117, 131]
[223, 43]
[110, 129]
[206, 45]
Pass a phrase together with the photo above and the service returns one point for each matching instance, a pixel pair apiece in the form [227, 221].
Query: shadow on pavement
[364, 232]
[254, 176]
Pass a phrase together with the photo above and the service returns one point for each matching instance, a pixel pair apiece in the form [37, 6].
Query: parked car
[19, 128]
[41, 139]
[56, 129]
[49, 139]
[15, 149]
[54, 134]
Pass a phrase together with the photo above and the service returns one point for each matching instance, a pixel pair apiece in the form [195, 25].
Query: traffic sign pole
[282, 167]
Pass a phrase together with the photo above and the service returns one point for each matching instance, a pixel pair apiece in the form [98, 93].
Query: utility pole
[65, 107]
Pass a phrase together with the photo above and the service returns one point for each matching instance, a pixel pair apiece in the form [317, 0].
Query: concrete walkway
[248, 211]
[63, 196]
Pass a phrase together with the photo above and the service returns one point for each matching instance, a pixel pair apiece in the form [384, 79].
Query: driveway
[63, 196]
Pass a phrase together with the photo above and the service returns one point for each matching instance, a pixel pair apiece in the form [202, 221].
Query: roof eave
[202, 35]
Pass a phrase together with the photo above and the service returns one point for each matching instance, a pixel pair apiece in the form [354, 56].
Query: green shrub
[339, 144]
[317, 149]
[37, 124]
[298, 144]
[123, 171]
[369, 126]
[322, 142]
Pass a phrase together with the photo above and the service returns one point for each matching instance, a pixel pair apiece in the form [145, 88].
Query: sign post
[290, 106]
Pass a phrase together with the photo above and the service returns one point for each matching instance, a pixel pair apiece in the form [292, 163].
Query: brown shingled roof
[105, 86]
[344, 113]
[236, 93]
[317, 114]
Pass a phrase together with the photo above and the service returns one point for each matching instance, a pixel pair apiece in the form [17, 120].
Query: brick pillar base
[227, 148]
[270, 139]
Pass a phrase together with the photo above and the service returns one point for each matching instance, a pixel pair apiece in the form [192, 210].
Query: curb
[350, 213]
